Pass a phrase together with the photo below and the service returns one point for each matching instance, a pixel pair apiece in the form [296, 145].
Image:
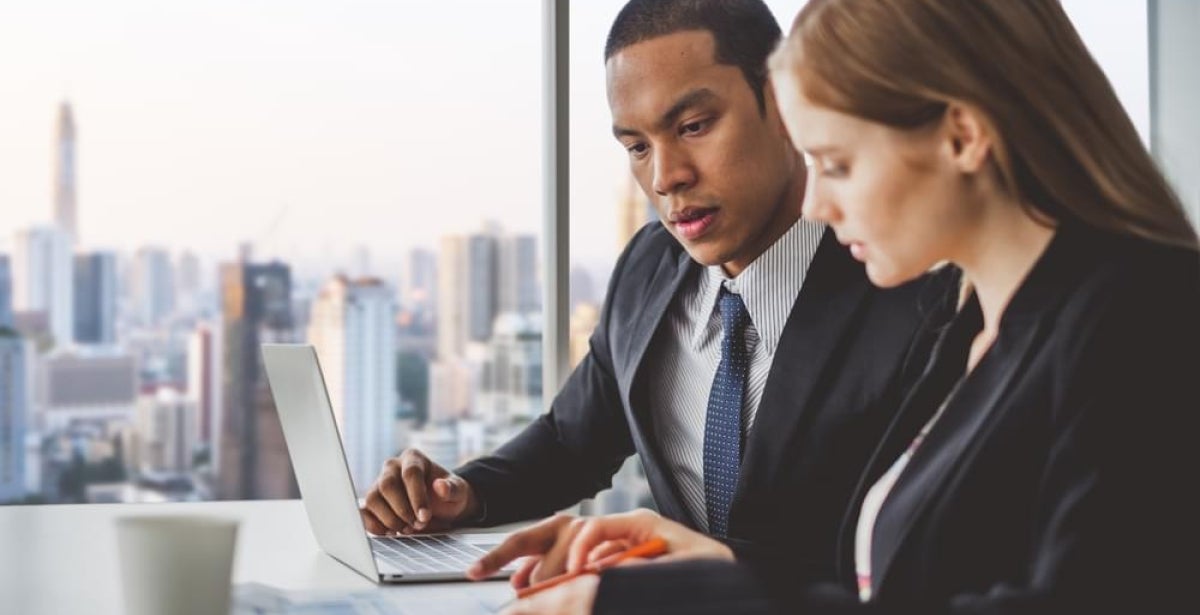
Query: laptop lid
[315, 448]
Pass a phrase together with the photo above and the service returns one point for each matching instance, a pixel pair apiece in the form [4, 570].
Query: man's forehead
[686, 50]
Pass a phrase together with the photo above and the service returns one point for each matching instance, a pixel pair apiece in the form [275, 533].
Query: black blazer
[834, 384]
[1060, 478]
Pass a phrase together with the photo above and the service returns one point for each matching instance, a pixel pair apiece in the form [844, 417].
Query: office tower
[93, 386]
[153, 286]
[187, 282]
[255, 308]
[452, 302]
[449, 389]
[420, 283]
[165, 432]
[634, 210]
[518, 283]
[95, 298]
[43, 280]
[583, 288]
[481, 276]
[6, 305]
[204, 382]
[439, 442]
[353, 329]
[510, 386]
[12, 416]
[584, 319]
[65, 214]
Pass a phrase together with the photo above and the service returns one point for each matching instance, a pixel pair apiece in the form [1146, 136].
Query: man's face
[721, 174]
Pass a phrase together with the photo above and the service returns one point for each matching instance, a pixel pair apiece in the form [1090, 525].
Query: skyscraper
[518, 284]
[255, 308]
[420, 283]
[187, 282]
[353, 330]
[13, 399]
[204, 384]
[153, 285]
[633, 212]
[65, 215]
[510, 387]
[166, 431]
[42, 272]
[6, 304]
[95, 297]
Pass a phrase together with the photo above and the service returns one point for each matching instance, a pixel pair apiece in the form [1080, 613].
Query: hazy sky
[352, 123]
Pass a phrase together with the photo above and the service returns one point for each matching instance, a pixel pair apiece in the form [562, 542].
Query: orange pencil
[651, 548]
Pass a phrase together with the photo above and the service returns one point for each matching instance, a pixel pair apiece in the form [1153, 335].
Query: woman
[1043, 463]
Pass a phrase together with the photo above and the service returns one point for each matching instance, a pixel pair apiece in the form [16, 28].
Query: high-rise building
[480, 276]
[634, 210]
[166, 432]
[518, 282]
[153, 285]
[204, 382]
[95, 298]
[44, 282]
[353, 329]
[12, 416]
[65, 159]
[449, 389]
[6, 304]
[510, 384]
[88, 385]
[420, 283]
[187, 282]
[255, 308]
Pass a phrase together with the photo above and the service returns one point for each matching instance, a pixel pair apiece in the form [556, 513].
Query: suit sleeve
[1115, 511]
[572, 451]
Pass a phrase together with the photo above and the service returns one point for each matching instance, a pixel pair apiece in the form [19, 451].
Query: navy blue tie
[723, 422]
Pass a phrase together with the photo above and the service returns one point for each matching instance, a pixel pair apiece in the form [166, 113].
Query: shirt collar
[769, 286]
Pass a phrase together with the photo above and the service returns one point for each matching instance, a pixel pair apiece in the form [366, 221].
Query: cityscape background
[169, 204]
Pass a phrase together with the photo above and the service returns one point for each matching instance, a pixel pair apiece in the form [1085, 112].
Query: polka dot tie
[723, 422]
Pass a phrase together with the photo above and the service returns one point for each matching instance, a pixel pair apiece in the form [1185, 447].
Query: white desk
[62, 559]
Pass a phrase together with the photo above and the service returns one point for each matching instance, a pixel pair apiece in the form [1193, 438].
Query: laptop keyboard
[425, 554]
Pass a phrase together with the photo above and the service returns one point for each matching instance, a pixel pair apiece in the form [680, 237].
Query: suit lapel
[834, 289]
[670, 275]
[971, 409]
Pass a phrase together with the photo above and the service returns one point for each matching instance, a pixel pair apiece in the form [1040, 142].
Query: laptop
[319, 460]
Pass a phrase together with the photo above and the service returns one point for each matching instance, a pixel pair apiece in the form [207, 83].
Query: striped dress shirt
[682, 366]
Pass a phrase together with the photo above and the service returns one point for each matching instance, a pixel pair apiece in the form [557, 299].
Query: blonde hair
[1065, 147]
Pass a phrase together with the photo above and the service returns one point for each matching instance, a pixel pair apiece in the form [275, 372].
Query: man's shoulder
[647, 250]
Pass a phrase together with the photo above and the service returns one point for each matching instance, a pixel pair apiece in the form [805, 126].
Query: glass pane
[182, 182]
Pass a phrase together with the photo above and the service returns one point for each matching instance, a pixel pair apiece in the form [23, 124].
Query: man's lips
[692, 222]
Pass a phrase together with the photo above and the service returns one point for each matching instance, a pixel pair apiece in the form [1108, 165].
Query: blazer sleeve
[1116, 522]
[572, 451]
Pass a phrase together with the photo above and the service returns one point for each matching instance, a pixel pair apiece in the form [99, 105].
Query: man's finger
[372, 523]
[393, 490]
[413, 469]
[450, 489]
[383, 511]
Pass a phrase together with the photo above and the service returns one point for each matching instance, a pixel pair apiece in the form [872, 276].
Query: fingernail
[423, 515]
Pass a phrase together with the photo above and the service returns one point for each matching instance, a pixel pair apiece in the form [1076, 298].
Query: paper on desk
[259, 599]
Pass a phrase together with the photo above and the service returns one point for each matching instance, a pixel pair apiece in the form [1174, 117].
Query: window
[182, 182]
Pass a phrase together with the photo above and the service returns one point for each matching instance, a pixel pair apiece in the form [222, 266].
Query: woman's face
[897, 198]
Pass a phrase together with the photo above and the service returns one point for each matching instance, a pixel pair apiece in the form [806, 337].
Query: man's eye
[693, 127]
[637, 149]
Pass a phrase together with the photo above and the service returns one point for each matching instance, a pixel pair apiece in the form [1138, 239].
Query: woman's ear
[969, 138]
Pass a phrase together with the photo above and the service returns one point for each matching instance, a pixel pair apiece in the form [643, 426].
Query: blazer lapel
[971, 409]
[833, 291]
[672, 271]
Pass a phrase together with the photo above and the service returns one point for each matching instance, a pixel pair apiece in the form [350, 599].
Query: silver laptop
[328, 491]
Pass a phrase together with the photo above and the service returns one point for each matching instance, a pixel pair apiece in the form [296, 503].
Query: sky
[316, 128]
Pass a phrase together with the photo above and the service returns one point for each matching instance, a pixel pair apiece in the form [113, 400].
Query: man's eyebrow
[691, 99]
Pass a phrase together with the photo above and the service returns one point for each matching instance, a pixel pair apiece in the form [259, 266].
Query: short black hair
[745, 32]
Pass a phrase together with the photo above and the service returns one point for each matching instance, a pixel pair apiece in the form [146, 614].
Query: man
[741, 352]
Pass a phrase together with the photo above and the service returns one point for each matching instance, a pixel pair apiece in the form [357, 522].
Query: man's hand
[414, 494]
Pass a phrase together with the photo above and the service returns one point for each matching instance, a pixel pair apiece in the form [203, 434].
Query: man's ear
[968, 137]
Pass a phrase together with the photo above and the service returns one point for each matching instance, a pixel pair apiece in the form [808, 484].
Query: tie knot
[733, 312]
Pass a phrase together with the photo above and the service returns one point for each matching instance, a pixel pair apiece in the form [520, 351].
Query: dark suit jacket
[1061, 476]
[832, 389]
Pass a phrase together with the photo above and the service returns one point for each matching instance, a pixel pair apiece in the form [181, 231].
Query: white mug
[176, 564]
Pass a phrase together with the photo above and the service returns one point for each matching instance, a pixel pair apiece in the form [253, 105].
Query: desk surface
[62, 559]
